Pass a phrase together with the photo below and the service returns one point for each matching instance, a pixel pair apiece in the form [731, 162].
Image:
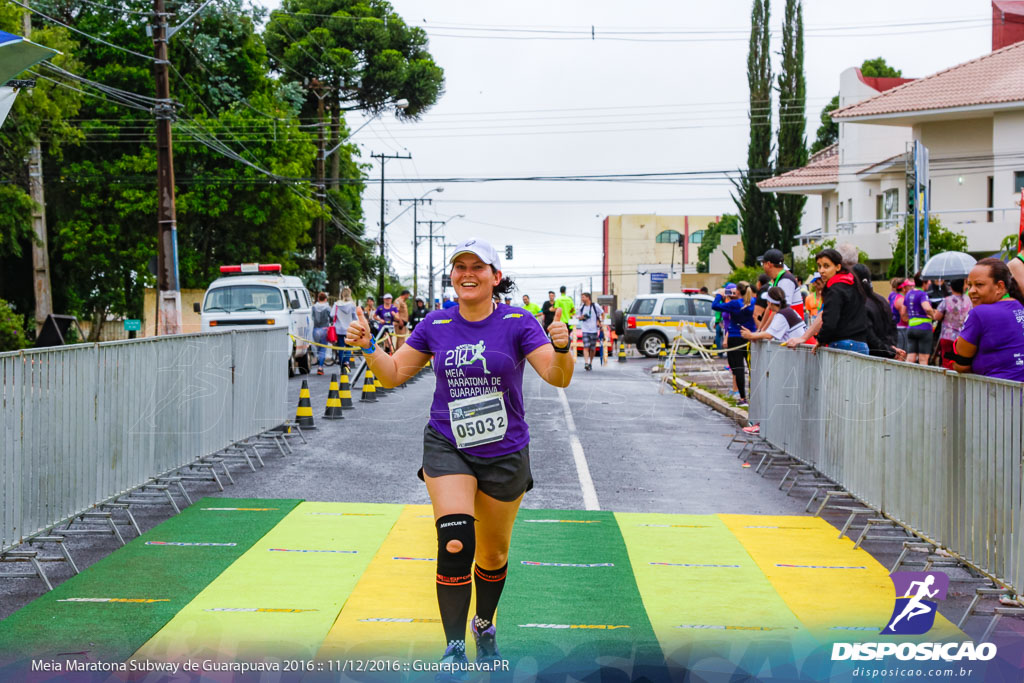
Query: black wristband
[560, 349]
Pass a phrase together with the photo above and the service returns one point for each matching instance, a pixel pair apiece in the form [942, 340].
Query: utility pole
[40, 251]
[383, 158]
[321, 186]
[168, 288]
[431, 239]
[415, 241]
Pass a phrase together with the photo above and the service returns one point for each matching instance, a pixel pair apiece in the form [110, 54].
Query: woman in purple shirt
[476, 456]
[916, 313]
[991, 342]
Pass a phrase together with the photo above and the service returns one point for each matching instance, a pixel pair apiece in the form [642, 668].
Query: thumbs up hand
[358, 333]
[558, 331]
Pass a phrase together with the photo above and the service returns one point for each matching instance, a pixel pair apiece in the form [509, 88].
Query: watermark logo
[916, 605]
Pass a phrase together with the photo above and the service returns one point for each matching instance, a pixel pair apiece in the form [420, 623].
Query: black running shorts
[502, 477]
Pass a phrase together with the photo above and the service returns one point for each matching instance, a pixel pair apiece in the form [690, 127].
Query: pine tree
[756, 208]
[792, 147]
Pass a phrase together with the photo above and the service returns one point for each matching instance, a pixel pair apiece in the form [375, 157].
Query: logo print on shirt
[467, 354]
[442, 322]
[512, 315]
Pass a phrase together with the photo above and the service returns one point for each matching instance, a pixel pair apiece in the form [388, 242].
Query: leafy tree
[40, 112]
[12, 329]
[792, 147]
[744, 274]
[727, 225]
[238, 147]
[356, 54]
[757, 209]
[1008, 248]
[940, 239]
[805, 267]
[828, 131]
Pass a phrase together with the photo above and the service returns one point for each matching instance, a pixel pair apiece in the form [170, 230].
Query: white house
[971, 119]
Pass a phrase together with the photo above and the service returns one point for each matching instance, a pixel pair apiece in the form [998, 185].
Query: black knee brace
[455, 569]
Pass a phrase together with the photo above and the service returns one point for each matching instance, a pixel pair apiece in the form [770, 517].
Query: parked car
[653, 319]
[258, 294]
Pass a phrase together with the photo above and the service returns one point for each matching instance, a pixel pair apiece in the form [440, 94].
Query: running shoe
[486, 643]
[753, 429]
[320, 371]
[454, 665]
[742, 403]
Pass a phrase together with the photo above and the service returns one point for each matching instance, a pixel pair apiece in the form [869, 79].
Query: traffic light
[508, 252]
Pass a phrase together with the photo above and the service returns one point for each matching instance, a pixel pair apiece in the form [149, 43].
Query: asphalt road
[646, 451]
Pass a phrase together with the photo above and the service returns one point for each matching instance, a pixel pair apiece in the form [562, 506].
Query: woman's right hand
[358, 333]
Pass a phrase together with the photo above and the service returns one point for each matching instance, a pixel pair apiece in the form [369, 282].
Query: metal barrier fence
[936, 451]
[82, 424]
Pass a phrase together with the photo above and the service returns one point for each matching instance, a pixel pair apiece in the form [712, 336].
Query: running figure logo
[467, 354]
[917, 594]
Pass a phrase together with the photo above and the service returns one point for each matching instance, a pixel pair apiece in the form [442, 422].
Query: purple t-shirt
[476, 358]
[914, 302]
[998, 332]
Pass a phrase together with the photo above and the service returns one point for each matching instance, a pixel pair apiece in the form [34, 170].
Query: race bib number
[478, 420]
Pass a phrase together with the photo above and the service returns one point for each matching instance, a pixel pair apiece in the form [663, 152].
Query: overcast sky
[660, 87]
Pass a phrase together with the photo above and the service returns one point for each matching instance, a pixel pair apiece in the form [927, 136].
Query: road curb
[740, 417]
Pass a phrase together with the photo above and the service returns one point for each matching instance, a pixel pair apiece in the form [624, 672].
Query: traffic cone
[345, 392]
[333, 410]
[369, 390]
[304, 413]
[661, 354]
[622, 352]
[380, 387]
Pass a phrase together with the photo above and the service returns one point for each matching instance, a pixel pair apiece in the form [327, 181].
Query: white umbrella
[949, 265]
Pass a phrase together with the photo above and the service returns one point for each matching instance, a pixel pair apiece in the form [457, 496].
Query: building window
[849, 210]
[839, 210]
[667, 236]
[886, 206]
[1018, 181]
[697, 237]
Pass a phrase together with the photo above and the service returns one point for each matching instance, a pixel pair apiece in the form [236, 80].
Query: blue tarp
[18, 54]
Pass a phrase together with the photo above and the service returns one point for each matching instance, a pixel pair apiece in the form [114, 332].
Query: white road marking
[582, 469]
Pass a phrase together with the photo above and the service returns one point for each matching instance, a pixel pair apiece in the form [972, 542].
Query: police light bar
[252, 268]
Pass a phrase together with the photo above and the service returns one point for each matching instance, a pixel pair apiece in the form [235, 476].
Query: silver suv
[653, 319]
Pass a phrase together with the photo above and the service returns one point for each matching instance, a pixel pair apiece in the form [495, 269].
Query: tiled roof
[821, 169]
[995, 78]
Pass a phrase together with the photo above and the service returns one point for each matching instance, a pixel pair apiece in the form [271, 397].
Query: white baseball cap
[388, 296]
[482, 249]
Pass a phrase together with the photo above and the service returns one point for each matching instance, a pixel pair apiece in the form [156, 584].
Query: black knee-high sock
[454, 575]
[489, 583]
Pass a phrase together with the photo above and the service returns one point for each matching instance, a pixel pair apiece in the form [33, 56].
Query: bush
[940, 239]
[748, 273]
[12, 329]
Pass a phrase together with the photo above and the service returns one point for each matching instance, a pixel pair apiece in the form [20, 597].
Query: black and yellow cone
[369, 390]
[622, 352]
[304, 413]
[345, 392]
[381, 390]
[661, 353]
[333, 410]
